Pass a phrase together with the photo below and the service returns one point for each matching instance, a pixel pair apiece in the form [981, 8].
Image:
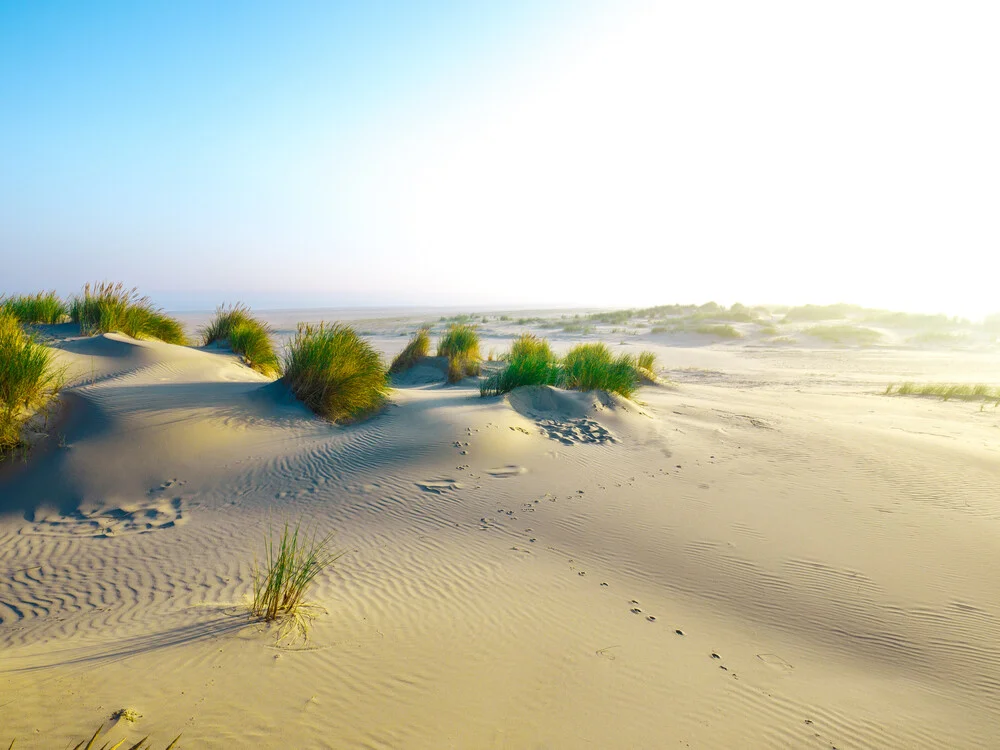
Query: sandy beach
[766, 552]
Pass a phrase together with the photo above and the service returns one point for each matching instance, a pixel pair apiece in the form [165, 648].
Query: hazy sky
[504, 153]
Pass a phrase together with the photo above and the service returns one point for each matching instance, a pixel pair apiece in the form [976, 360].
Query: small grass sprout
[418, 347]
[460, 345]
[109, 307]
[335, 372]
[290, 566]
[41, 308]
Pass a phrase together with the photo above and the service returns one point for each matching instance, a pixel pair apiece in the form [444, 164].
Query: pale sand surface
[836, 550]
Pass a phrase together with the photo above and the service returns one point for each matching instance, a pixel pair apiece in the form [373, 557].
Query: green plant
[845, 334]
[108, 307]
[946, 391]
[588, 367]
[290, 566]
[246, 335]
[335, 372]
[646, 361]
[417, 347]
[529, 362]
[43, 307]
[28, 380]
[724, 330]
[460, 345]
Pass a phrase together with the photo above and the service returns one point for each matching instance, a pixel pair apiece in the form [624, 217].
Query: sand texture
[767, 553]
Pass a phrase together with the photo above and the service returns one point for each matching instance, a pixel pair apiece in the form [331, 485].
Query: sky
[511, 154]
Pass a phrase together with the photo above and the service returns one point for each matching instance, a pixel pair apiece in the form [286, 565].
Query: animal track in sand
[572, 431]
[506, 471]
[103, 521]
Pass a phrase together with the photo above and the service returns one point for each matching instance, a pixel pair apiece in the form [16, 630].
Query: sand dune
[768, 554]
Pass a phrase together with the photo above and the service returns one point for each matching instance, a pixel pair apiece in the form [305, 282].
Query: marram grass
[589, 367]
[335, 372]
[529, 362]
[417, 347]
[91, 744]
[112, 308]
[43, 307]
[290, 566]
[946, 391]
[28, 380]
[247, 336]
[646, 361]
[460, 345]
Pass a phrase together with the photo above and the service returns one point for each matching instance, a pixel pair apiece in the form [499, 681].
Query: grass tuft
[646, 361]
[529, 362]
[335, 372]
[461, 346]
[246, 335]
[28, 380]
[946, 391]
[724, 331]
[589, 367]
[290, 566]
[142, 744]
[107, 308]
[43, 307]
[417, 347]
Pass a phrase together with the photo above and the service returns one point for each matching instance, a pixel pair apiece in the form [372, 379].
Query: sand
[767, 554]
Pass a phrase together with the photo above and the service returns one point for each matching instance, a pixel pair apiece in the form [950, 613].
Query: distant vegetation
[845, 334]
[419, 346]
[806, 313]
[939, 338]
[335, 372]
[947, 391]
[725, 331]
[246, 335]
[43, 307]
[461, 346]
[111, 308]
[290, 566]
[28, 380]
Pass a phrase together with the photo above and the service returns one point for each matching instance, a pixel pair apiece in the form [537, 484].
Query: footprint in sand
[506, 471]
[440, 486]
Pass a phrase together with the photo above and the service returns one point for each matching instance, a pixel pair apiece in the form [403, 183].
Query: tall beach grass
[246, 335]
[460, 345]
[588, 367]
[29, 380]
[335, 372]
[108, 307]
[43, 307]
[529, 362]
[947, 391]
[418, 347]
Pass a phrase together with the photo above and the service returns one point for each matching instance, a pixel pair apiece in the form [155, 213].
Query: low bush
[417, 347]
[461, 346]
[110, 308]
[43, 307]
[335, 372]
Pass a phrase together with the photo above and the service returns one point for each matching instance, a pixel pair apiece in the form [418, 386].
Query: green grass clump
[768, 330]
[290, 566]
[28, 380]
[335, 372]
[937, 338]
[109, 308]
[646, 361]
[724, 331]
[43, 307]
[461, 346]
[417, 347]
[845, 334]
[589, 367]
[529, 362]
[946, 391]
[246, 335]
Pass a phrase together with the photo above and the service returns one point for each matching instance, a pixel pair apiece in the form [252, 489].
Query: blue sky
[514, 153]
